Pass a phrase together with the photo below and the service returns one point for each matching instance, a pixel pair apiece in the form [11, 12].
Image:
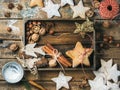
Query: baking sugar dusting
[12, 72]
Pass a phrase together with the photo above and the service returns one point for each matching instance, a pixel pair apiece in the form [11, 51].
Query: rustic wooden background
[64, 31]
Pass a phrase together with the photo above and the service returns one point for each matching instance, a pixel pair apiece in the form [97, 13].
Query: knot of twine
[55, 54]
[82, 55]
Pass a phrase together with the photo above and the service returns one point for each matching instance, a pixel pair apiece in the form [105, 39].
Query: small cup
[12, 72]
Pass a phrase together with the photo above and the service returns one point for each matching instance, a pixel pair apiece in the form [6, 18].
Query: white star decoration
[113, 86]
[105, 65]
[30, 50]
[64, 2]
[79, 10]
[98, 84]
[114, 73]
[62, 81]
[51, 9]
[107, 72]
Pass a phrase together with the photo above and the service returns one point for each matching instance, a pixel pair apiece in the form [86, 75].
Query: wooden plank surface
[62, 30]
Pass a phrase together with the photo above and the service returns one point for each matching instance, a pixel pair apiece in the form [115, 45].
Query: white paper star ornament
[98, 84]
[51, 9]
[113, 86]
[79, 10]
[62, 81]
[114, 73]
[30, 50]
[64, 2]
[105, 66]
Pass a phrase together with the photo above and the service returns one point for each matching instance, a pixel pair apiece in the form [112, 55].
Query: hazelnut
[89, 13]
[106, 24]
[52, 63]
[101, 45]
[14, 47]
[51, 32]
[110, 38]
[110, 41]
[9, 29]
[96, 4]
[11, 6]
[7, 14]
[30, 25]
[39, 23]
[42, 31]
[105, 39]
[35, 37]
[19, 7]
[34, 23]
[118, 45]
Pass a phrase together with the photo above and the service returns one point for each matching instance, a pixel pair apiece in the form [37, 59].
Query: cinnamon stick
[61, 58]
[36, 85]
[49, 49]
[46, 49]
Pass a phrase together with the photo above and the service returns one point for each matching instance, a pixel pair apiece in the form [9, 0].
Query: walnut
[9, 29]
[35, 37]
[19, 7]
[36, 29]
[96, 4]
[13, 47]
[42, 31]
[11, 6]
[7, 14]
[89, 13]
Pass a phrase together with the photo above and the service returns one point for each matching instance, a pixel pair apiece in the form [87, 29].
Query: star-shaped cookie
[36, 3]
[62, 81]
[64, 2]
[79, 10]
[80, 55]
[51, 9]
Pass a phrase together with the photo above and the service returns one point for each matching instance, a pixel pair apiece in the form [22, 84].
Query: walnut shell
[13, 47]
[90, 13]
[35, 37]
[96, 4]
[36, 29]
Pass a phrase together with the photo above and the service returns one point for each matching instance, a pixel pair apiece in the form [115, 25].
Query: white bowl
[12, 72]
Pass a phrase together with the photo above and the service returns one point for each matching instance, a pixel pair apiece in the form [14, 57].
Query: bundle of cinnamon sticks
[49, 50]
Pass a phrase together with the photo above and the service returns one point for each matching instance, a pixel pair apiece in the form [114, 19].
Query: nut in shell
[42, 31]
[52, 63]
[90, 13]
[13, 47]
[19, 7]
[106, 24]
[35, 37]
[7, 14]
[36, 28]
[9, 29]
[96, 4]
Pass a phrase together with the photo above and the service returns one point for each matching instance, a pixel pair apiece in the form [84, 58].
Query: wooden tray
[64, 39]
